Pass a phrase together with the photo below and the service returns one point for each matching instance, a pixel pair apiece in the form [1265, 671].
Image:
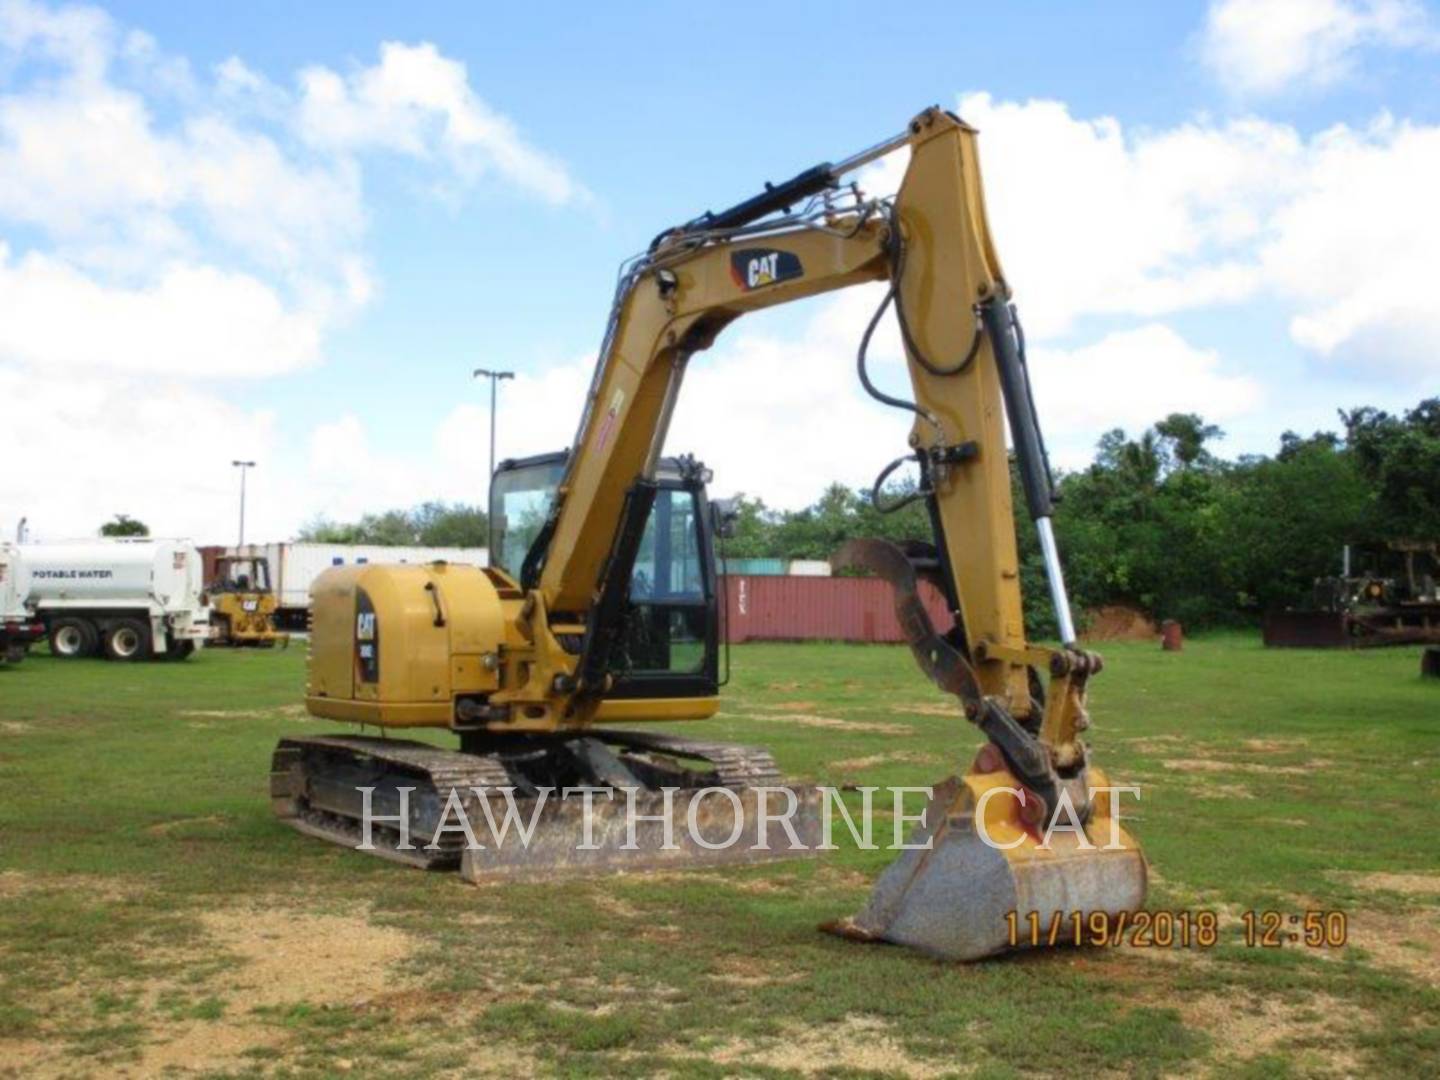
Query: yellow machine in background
[601, 605]
[242, 603]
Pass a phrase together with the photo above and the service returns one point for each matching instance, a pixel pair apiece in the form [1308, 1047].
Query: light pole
[494, 377]
[244, 467]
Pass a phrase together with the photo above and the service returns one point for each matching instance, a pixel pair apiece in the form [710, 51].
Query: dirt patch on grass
[416, 1004]
[1408, 942]
[857, 1043]
[1404, 884]
[871, 760]
[949, 709]
[615, 905]
[1273, 746]
[204, 1047]
[15, 883]
[289, 956]
[1210, 765]
[788, 706]
[759, 885]
[747, 971]
[1215, 790]
[832, 722]
[1246, 1029]
[15, 727]
[1119, 622]
[18, 883]
[285, 711]
[843, 877]
[165, 827]
[281, 957]
[1154, 744]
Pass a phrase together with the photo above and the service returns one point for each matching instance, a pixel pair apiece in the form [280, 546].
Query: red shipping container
[210, 559]
[768, 608]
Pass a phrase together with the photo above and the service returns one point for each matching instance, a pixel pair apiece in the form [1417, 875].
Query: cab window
[669, 612]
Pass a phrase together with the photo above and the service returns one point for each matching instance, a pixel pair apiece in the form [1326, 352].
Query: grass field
[153, 916]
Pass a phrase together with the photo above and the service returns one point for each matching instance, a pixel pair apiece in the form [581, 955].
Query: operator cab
[666, 643]
[241, 574]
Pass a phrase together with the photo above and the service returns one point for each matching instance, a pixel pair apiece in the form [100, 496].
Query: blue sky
[289, 231]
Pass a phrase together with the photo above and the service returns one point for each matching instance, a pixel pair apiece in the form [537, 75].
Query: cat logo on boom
[754, 268]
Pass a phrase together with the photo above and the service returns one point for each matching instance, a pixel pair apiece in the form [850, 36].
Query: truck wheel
[14, 652]
[73, 638]
[180, 650]
[128, 640]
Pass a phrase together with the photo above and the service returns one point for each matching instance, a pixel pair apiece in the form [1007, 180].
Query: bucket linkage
[1028, 838]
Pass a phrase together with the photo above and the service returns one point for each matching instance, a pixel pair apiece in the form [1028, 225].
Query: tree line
[431, 524]
[1159, 522]
[1156, 521]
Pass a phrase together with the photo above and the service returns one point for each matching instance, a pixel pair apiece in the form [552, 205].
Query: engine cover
[394, 645]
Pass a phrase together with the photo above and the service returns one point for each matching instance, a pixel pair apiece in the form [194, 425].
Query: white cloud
[158, 230]
[155, 448]
[1092, 220]
[83, 38]
[192, 321]
[774, 416]
[781, 416]
[1130, 379]
[1355, 251]
[417, 102]
[1268, 46]
[195, 247]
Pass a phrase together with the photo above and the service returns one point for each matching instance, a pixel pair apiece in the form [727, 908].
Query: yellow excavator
[600, 606]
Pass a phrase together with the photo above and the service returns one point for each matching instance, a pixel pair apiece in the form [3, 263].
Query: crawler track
[318, 784]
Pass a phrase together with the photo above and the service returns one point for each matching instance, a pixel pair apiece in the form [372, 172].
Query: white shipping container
[809, 568]
[294, 567]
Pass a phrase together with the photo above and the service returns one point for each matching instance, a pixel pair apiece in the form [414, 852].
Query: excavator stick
[1014, 854]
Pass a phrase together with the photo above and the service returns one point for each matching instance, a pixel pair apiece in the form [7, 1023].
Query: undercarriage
[602, 801]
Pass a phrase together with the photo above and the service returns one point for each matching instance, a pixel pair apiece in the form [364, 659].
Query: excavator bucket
[973, 885]
[995, 864]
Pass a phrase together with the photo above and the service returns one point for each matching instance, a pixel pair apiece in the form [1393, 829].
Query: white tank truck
[18, 626]
[128, 599]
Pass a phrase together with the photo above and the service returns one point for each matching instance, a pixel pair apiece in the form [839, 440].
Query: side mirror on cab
[724, 513]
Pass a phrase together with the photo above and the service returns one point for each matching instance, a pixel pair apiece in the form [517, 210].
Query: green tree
[753, 529]
[431, 524]
[124, 525]
[1399, 456]
[439, 524]
[1283, 521]
[1184, 436]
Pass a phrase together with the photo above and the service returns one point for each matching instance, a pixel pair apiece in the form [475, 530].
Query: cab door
[668, 645]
